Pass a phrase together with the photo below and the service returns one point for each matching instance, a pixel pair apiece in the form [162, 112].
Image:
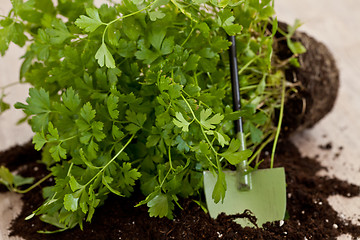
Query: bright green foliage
[13, 181]
[91, 23]
[104, 57]
[139, 93]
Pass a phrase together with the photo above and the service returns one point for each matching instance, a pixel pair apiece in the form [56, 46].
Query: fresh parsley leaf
[209, 123]
[70, 202]
[219, 188]
[154, 15]
[58, 32]
[112, 104]
[6, 177]
[38, 105]
[91, 23]
[181, 122]
[104, 57]
[160, 206]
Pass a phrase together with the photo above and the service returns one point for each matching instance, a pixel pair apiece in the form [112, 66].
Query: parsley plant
[137, 94]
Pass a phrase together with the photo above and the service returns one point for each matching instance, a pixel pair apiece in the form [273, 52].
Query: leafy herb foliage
[138, 93]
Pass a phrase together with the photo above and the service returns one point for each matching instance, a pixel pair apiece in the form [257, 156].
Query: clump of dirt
[327, 146]
[316, 82]
[309, 214]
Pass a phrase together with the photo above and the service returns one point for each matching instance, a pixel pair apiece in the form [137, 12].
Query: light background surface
[335, 23]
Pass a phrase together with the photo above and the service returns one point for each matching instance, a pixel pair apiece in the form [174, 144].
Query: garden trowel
[263, 192]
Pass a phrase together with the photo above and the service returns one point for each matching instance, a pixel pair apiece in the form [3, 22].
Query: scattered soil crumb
[327, 146]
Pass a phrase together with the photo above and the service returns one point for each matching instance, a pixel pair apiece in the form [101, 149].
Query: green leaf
[167, 46]
[74, 185]
[156, 37]
[219, 188]
[104, 57]
[3, 105]
[97, 130]
[160, 206]
[154, 15]
[112, 104]
[259, 118]
[130, 174]
[106, 180]
[59, 32]
[39, 140]
[175, 91]
[53, 133]
[91, 23]
[221, 139]
[20, 181]
[6, 176]
[87, 113]
[233, 155]
[209, 123]
[233, 29]
[38, 105]
[17, 35]
[292, 28]
[71, 100]
[38, 102]
[181, 122]
[147, 55]
[84, 197]
[236, 157]
[255, 134]
[136, 118]
[57, 152]
[152, 140]
[116, 133]
[181, 144]
[86, 161]
[296, 47]
[71, 202]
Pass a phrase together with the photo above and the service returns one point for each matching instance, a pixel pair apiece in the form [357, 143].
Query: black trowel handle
[244, 179]
[236, 90]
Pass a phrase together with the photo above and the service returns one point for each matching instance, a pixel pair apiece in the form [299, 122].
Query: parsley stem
[202, 129]
[10, 85]
[279, 123]
[112, 160]
[188, 37]
[170, 162]
[261, 148]
[248, 64]
[34, 185]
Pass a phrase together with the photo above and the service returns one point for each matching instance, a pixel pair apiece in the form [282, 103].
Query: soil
[316, 82]
[309, 214]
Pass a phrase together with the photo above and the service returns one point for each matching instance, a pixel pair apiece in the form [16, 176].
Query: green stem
[112, 160]
[188, 37]
[202, 131]
[69, 138]
[279, 123]
[248, 64]
[261, 148]
[10, 85]
[34, 185]
[170, 161]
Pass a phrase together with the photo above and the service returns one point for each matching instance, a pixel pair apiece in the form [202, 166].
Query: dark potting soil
[309, 214]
